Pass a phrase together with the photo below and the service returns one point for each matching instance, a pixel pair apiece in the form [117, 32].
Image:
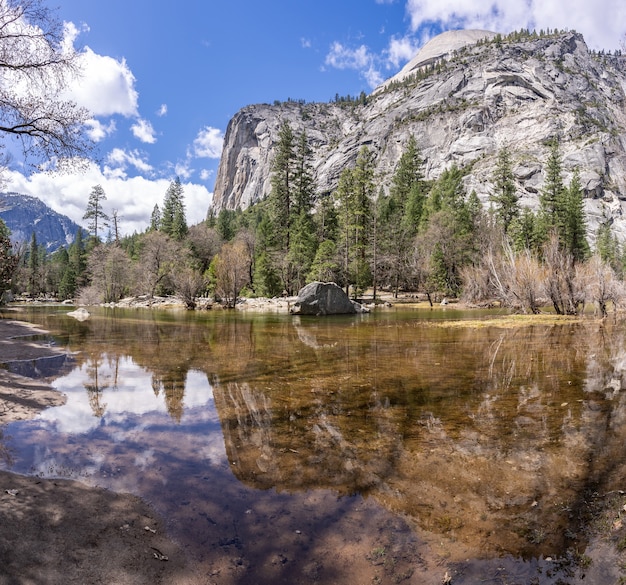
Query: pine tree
[447, 193]
[354, 194]
[8, 260]
[503, 194]
[408, 175]
[608, 246]
[281, 196]
[266, 281]
[226, 224]
[94, 213]
[574, 232]
[398, 216]
[78, 261]
[325, 267]
[304, 183]
[155, 219]
[326, 219]
[551, 197]
[33, 267]
[173, 221]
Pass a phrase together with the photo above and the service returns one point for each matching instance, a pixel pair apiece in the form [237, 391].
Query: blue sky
[163, 80]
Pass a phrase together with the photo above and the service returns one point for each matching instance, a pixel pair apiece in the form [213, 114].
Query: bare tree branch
[36, 67]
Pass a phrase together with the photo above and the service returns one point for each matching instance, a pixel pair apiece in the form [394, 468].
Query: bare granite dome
[521, 93]
[439, 47]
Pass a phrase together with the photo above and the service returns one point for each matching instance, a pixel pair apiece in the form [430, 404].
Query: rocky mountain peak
[463, 97]
[443, 46]
[25, 215]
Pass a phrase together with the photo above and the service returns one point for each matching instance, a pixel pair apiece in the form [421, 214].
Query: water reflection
[488, 440]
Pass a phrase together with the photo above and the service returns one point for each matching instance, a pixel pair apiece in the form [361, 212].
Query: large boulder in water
[324, 298]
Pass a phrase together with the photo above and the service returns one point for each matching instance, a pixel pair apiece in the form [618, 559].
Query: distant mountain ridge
[24, 214]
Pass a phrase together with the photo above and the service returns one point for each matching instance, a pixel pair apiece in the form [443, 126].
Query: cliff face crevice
[463, 100]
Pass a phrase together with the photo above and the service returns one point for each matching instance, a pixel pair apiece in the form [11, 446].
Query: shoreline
[61, 531]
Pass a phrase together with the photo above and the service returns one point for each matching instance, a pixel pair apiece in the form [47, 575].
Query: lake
[470, 442]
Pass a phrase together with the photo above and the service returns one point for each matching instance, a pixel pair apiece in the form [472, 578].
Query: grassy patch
[508, 321]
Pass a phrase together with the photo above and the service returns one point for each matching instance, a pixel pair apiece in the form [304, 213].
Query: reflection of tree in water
[5, 454]
[171, 385]
[490, 437]
[96, 384]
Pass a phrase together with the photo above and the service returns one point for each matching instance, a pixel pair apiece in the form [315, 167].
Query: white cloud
[401, 50]
[306, 43]
[143, 130]
[183, 170]
[601, 22]
[208, 143]
[359, 59]
[162, 110]
[429, 17]
[98, 131]
[134, 197]
[105, 86]
[120, 159]
[342, 57]
[206, 174]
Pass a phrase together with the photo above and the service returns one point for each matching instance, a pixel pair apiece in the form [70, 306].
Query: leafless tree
[516, 279]
[232, 270]
[36, 66]
[204, 243]
[110, 270]
[158, 259]
[565, 290]
[188, 283]
[601, 284]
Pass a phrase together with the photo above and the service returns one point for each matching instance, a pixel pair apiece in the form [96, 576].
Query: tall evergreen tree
[608, 246]
[95, 213]
[503, 193]
[574, 230]
[447, 193]
[304, 183]
[33, 267]
[173, 220]
[354, 194]
[408, 174]
[398, 216]
[281, 196]
[8, 260]
[551, 197]
[155, 219]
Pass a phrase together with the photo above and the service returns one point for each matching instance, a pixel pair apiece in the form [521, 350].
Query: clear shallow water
[489, 441]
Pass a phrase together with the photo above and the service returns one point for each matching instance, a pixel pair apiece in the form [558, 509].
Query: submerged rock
[325, 298]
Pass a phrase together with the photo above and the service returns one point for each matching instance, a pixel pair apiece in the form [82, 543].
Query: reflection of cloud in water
[135, 437]
[131, 395]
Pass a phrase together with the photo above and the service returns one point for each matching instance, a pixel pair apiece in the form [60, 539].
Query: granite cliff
[464, 96]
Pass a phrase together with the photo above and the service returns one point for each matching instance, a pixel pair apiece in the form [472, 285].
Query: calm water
[489, 441]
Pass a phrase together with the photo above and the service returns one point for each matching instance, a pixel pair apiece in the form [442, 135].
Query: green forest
[425, 237]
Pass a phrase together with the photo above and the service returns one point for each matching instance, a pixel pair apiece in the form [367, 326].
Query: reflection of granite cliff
[489, 452]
